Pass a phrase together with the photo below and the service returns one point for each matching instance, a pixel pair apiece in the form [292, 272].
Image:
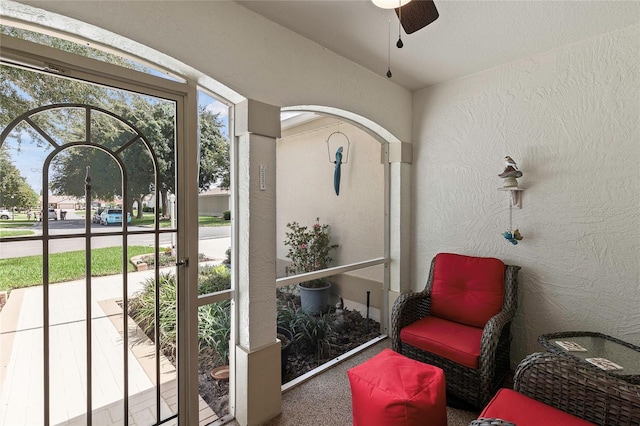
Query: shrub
[226, 215]
[162, 260]
[227, 259]
[167, 259]
[308, 249]
[213, 278]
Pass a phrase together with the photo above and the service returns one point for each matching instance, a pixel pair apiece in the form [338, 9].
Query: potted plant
[309, 250]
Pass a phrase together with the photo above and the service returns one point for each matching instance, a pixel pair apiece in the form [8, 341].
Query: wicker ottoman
[391, 389]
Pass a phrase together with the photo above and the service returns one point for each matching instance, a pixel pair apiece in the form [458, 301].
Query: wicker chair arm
[577, 388]
[485, 421]
[408, 308]
[491, 335]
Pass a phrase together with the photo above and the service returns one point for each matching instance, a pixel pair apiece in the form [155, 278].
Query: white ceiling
[469, 36]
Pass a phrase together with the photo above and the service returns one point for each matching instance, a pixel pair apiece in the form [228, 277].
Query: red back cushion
[467, 289]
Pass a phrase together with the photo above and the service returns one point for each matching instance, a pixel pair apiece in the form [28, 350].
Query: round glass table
[597, 349]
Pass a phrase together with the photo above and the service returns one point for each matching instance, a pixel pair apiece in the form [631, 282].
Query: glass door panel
[93, 332]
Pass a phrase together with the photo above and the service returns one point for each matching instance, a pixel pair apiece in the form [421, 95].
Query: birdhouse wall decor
[510, 173]
[338, 155]
[510, 177]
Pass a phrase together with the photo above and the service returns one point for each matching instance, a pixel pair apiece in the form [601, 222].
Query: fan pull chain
[399, 44]
[389, 52]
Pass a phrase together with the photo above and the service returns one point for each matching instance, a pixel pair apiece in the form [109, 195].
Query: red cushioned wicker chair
[461, 323]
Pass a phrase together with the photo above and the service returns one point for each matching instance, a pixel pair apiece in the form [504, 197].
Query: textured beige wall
[305, 190]
[569, 117]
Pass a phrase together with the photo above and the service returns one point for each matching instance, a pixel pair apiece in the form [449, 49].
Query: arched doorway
[357, 215]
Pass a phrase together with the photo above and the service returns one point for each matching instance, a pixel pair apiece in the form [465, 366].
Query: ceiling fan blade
[417, 14]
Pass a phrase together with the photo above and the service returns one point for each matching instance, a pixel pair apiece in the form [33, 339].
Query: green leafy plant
[312, 332]
[214, 329]
[309, 249]
[142, 310]
[214, 323]
[286, 317]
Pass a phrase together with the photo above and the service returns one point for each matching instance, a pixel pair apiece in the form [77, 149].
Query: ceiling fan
[412, 14]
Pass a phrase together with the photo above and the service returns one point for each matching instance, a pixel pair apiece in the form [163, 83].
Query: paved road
[99, 238]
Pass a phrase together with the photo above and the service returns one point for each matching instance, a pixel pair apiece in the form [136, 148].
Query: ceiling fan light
[390, 4]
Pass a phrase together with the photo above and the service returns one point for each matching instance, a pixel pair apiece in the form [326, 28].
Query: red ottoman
[391, 389]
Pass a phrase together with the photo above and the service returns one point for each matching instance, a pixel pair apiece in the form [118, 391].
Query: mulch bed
[350, 331]
[355, 332]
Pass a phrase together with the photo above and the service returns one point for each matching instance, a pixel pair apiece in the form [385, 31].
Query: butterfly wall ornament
[512, 237]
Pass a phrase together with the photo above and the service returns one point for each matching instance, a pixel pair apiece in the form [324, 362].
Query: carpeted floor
[325, 400]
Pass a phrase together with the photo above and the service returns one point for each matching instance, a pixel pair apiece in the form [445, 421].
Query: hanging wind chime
[512, 235]
[510, 175]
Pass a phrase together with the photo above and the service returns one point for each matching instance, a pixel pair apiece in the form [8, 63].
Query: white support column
[257, 354]
[400, 158]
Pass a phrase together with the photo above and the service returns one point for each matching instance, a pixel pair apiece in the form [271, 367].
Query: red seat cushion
[466, 289]
[517, 408]
[457, 342]
[393, 390]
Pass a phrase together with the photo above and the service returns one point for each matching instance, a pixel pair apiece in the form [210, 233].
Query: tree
[69, 173]
[14, 189]
[22, 90]
[214, 152]
[156, 121]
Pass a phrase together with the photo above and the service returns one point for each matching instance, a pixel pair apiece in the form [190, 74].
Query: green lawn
[212, 221]
[27, 271]
[7, 228]
[8, 224]
[17, 233]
